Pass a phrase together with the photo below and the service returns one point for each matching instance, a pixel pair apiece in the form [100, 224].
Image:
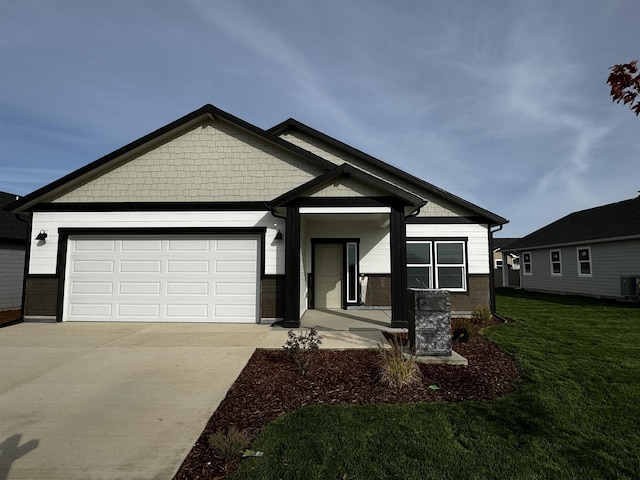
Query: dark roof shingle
[12, 230]
[616, 220]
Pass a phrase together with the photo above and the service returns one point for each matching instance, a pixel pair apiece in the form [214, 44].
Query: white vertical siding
[44, 257]
[11, 275]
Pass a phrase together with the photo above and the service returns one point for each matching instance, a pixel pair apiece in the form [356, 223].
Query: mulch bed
[270, 386]
[9, 317]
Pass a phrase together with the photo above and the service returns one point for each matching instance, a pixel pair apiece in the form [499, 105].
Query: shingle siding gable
[214, 162]
[436, 207]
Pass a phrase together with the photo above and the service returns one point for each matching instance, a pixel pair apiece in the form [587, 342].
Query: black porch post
[292, 269]
[398, 232]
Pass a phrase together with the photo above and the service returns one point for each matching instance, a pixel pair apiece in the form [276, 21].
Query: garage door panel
[226, 266]
[190, 279]
[93, 266]
[189, 245]
[137, 245]
[92, 310]
[138, 310]
[188, 310]
[139, 288]
[140, 266]
[92, 288]
[188, 266]
[190, 289]
[235, 289]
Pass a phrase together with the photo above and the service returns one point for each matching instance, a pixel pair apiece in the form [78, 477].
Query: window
[499, 264]
[556, 263]
[419, 264]
[437, 264]
[451, 266]
[584, 261]
[526, 263]
[352, 272]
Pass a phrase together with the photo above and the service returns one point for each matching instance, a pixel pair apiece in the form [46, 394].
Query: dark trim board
[151, 207]
[445, 220]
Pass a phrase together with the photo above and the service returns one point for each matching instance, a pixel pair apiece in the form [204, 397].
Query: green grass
[574, 415]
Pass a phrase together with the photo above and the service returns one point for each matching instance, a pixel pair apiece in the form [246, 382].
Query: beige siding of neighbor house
[214, 162]
[437, 207]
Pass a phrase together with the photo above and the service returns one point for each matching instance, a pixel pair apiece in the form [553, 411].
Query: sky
[501, 102]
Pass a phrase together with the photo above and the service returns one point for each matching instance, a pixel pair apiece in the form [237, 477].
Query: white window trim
[524, 264]
[463, 265]
[584, 275]
[551, 262]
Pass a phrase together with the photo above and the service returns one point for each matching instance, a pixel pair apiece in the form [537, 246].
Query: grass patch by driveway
[575, 414]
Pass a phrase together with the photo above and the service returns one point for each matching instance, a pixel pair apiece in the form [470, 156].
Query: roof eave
[293, 124]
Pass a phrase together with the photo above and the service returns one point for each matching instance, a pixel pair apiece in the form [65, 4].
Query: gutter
[492, 282]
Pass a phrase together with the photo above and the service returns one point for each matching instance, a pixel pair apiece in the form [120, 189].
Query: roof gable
[347, 171]
[377, 167]
[612, 221]
[208, 114]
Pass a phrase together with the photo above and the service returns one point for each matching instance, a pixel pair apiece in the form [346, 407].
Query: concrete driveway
[111, 400]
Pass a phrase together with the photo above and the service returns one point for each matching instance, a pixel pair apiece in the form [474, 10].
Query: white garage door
[162, 279]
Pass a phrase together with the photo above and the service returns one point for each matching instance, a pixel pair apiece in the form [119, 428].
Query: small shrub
[461, 330]
[481, 314]
[396, 369]
[231, 444]
[302, 347]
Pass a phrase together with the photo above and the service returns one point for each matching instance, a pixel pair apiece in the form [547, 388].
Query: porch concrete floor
[340, 329]
[349, 329]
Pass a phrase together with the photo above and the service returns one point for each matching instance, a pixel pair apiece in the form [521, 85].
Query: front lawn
[575, 414]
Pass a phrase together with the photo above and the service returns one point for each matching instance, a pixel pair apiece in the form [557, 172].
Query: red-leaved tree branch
[624, 80]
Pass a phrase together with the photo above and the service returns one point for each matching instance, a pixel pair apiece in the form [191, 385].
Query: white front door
[328, 275]
[162, 278]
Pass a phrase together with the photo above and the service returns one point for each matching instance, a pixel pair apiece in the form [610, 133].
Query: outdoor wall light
[278, 235]
[42, 236]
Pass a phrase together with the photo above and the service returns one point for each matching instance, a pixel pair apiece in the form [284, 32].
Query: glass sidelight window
[352, 272]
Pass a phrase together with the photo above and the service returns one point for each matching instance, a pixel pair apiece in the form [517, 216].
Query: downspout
[492, 283]
[272, 210]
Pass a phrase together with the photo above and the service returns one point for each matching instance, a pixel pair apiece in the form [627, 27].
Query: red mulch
[270, 386]
[9, 317]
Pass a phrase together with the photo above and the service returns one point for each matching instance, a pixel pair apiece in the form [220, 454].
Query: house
[593, 252]
[212, 219]
[509, 276]
[13, 240]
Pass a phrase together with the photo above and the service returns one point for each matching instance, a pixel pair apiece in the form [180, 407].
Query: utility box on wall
[429, 318]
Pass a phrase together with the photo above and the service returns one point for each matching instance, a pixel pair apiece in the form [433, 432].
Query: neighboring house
[212, 219]
[13, 241]
[509, 276]
[594, 252]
